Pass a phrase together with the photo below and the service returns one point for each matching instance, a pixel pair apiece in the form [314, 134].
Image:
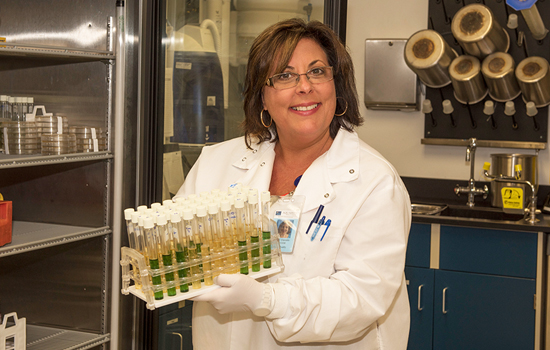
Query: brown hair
[275, 45]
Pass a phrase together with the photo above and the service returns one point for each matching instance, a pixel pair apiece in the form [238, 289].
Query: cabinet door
[420, 286]
[474, 311]
[418, 248]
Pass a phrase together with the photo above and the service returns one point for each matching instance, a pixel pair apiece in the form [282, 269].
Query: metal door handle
[420, 297]
[444, 293]
[181, 339]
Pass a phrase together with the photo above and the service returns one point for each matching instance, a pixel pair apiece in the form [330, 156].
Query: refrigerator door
[205, 56]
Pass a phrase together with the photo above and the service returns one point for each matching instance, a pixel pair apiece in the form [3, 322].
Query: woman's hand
[238, 293]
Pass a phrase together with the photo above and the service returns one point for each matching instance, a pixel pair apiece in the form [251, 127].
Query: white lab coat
[346, 292]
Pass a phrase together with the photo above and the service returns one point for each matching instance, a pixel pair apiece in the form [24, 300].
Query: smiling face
[303, 113]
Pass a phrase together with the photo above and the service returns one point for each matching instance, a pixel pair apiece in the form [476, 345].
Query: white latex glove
[237, 293]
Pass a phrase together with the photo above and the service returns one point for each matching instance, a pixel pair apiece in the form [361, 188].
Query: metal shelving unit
[48, 338]
[47, 68]
[28, 236]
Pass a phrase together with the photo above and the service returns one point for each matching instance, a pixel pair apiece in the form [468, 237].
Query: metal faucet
[471, 189]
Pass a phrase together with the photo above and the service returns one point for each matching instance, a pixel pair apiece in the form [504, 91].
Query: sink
[487, 213]
[427, 209]
[463, 211]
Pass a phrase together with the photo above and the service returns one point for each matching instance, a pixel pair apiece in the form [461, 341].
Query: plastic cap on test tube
[128, 213]
[509, 108]
[489, 108]
[531, 109]
[265, 196]
[175, 217]
[148, 223]
[161, 219]
[187, 214]
[447, 107]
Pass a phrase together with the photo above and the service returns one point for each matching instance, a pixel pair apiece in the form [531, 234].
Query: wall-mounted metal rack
[469, 120]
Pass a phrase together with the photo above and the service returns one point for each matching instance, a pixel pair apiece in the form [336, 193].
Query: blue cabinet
[480, 294]
[421, 296]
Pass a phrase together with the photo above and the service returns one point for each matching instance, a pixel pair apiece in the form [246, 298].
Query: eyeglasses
[289, 80]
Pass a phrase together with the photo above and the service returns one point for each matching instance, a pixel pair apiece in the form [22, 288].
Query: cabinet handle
[444, 293]
[420, 297]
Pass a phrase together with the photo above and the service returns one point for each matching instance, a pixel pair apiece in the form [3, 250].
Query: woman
[347, 291]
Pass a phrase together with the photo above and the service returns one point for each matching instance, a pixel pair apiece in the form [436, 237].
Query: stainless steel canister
[429, 56]
[477, 31]
[534, 80]
[503, 165]
[498, 70]
[468, 84]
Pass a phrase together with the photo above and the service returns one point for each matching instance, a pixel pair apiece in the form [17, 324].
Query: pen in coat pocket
[317, 227]
[316, 217]
[327, 224]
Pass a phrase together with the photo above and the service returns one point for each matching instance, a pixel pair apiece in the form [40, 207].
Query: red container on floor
[5, 222]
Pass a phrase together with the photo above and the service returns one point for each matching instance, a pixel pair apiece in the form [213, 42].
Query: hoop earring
[345, 110]
[262, 119]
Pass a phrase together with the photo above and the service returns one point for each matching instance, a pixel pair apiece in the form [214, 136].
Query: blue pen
[316, 217]
[317, 228]
[326, 229]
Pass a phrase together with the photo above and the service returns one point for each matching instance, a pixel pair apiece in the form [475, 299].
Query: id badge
[286, 213]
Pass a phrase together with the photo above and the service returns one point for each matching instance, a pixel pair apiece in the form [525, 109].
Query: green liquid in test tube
[180, 247]
[165, 240]
[241, 234]
[152, 250]
[255, 227]
[266, 230]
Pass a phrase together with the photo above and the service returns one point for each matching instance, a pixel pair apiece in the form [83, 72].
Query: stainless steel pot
[503, 166]
[468, 84]
[534, 80]
[429, 56]
[477, 31]
[498, 70]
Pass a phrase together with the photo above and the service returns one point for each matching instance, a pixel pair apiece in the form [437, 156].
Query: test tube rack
[137, 276]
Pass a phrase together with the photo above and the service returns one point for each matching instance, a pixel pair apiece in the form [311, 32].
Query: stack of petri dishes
[3, 124]
[89, 139]
[53, 144]
[52, 125]
[22, 137]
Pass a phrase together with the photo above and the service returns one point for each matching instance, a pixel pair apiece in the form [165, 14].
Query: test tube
[30, 105]
[166, 244]
[241, 234]
[130, 227]
[216, 227]
[232, 262]
[266, 230]
[5, 107]
[206, 241]
[255, 227]
[180, 247]
[152, 249]
[193, 247]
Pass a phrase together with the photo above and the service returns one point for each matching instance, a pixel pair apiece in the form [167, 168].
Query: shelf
[18, 161]
[46, 338]
[485, 143]
[29, 236]
[31, 50]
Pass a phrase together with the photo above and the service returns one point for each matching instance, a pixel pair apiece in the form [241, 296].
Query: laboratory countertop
[543, 225]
